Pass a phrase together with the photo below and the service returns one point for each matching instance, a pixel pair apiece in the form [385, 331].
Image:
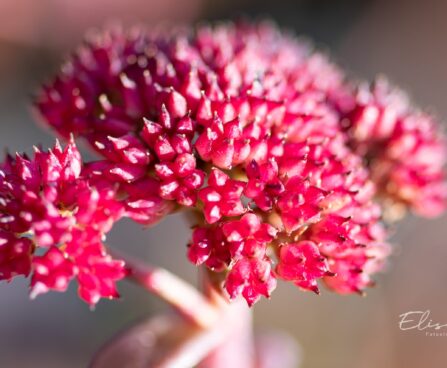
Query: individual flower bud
[251, 278]
[222, 197]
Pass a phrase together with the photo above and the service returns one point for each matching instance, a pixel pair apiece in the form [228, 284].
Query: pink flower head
[280, 157]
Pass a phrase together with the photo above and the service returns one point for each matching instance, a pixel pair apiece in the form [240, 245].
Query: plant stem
[219, 336]
[182, 296]
[236, 348]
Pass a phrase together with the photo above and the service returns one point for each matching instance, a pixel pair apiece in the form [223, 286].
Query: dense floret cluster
[288, 166]
[52, 222]
[405, 148]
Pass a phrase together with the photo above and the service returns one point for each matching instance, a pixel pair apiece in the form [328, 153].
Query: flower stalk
[179, 294]
[219, 333]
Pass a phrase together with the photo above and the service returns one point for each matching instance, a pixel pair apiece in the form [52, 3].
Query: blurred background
[404, 39]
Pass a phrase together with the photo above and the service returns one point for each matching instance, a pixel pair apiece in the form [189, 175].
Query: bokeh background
[404, 39]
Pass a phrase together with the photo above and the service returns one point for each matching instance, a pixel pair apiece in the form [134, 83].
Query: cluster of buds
[287, 165]
[52, 224]
[407, 150]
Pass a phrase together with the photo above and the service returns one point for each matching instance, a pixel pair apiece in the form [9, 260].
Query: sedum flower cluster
[289, 167]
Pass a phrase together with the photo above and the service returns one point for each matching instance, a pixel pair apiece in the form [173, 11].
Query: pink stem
[236, 348]
[186, 299]
[219, 337]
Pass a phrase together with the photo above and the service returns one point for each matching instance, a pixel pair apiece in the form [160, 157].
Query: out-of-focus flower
[303, 264]
[406, 147]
